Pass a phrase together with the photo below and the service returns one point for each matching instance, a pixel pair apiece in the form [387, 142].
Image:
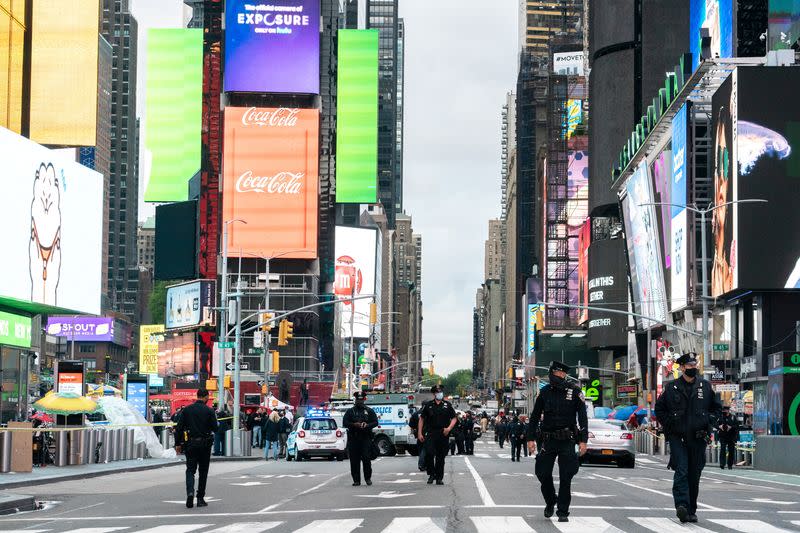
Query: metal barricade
[116, 447]
[140, 451]
[62, 456]
[228, 443]
[5, 451]
[92, 445]
[166, 439]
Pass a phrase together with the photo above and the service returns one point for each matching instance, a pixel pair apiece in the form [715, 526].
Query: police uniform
[437, 415]
[687, 411]
[557, 423]
[359, 440]
[195, 433]
[727, 435]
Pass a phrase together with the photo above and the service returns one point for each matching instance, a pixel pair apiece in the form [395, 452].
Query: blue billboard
[679, 246]
[717, 16]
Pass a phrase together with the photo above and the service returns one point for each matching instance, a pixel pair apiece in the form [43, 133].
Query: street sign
[726, 387]
[257, 339]
[721, 347]
[242, 366]
[223, 345]
[255, 351]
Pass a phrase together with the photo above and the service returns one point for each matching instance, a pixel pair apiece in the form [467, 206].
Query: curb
[88, 475]
[15, 503]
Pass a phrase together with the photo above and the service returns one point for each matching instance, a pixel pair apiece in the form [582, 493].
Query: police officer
[558, 421]
[194, 436]
[727, 435]
[435, 424]
[516, 432]
[687, 410]
[468, 425]
[359, 421]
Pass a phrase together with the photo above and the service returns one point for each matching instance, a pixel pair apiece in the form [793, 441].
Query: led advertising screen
[51, 212]
[679, 220]
[661, 171]
[608, 288]
[69, 377]
[272, 46]
[717, 16]
[533, 310]
[81, 328]
[768, 156]
[176, 355]
[12, 37]
[190, 304]
[136, 395]
[15, 330]
[357, 117]
[644, 252]
[568, 63]
[577, 211]
[174, 104]
[149, 337]
[784, 24]
[176, 241]
[356, 258]
[584, 240]
[64, 71]
[723, 131]
[271, 181]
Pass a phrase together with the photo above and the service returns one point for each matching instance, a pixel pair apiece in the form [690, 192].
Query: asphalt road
[484, 493]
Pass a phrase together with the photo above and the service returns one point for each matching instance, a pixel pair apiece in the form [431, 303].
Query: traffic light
[265, 319]
[285, 332]
[289, 331]
[276, 361]
[373, 314]
[539, 320]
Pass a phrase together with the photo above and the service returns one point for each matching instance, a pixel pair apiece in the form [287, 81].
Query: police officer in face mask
[360, 420]
[437, 420]
[687, 410]
[558, 421]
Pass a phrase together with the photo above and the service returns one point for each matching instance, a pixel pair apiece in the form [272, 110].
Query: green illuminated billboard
[173, 112]
[15, 330]
[357, 117]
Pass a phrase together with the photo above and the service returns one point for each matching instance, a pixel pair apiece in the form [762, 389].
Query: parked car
[610, 442]
[318, 436]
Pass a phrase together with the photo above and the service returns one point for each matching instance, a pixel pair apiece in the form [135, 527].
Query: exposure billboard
[174, 97]
[357, 117]
[644, 252]
[190, 304]
[12, 35]
[271, 180]
[51, 213]
[356, 258]
[272, 46]
[15, 330]
[679, 223]
[784, 24]
[717, 16]
[149, 337]
[577, 212]
[584, 240]
[608, 288]
[176, 355]
[64, 71]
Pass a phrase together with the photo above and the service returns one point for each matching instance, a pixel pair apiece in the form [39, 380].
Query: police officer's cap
[558, 365]
[685, 359]
[360, 395]
[435, 389]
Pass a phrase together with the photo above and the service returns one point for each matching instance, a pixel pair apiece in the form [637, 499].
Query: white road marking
[26, 530]
[249, 527]
[96, 529]
[506, 524]
[591, 496]
[482, 455]
[413, 524]
[251, 483]
[796, 522]
[183, 502]
[767, 500]
[386, 495]
[645, 460]
[667, 525]
[326, 526]
[503, 456]
[581, 524]
[749, 526]
[486, 498]
[638, 487]
[175, 528]
[315, 487]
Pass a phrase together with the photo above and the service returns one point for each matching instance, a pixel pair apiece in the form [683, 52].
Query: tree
[458, 382]
[429, 380]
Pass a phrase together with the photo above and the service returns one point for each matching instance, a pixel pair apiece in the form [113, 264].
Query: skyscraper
[540, 19]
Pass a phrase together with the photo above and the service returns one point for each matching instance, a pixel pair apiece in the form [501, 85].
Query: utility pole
[224, 317]
[352, 325]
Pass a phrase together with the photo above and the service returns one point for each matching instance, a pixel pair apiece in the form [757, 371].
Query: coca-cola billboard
[271, 181]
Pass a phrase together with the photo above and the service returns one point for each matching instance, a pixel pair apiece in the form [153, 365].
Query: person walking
[525, 424]
[158, 419]
[413, 423]
[516, 434]
[468, 426]
[258, 419]
[557, 422]
[359, 421]
[194, 436]
[458, 431]
[284, 428]
[728, 436]
[501, 429]
[219, 437]
[484, 422]
[687, 409]
[271, 430]
[304, 393]
[436, 422]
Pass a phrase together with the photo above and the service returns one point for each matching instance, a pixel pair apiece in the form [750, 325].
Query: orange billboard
[271, 181]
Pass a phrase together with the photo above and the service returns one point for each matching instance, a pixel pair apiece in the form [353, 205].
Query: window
[322, 424]
[87, 348]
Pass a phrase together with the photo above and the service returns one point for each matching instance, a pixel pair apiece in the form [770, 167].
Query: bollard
[165, 439]
[130, 447]
[102, 441]
[61, 458]
[246, 442]
[141, 451]
[76, 439]
[117, 450]
[5, 451]
[228, 443]
[91, 446]
[85, 441]
[662, 445]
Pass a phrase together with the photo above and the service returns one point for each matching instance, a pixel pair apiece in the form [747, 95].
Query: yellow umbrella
[65, 403]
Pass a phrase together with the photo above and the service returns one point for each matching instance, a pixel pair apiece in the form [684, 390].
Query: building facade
[146, 244]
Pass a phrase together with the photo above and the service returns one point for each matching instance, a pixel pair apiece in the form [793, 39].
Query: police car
[316, 435]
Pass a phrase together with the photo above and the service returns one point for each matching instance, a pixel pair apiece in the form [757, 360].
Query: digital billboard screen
[584, 240]
[679, 220]
[272, 46]
[784, 24]
[723, 108]
[577, 211]
[357, 117]
[608, 288]
[15, 330]
[173, 121]
[568, 63]
[190, 304]
[644, 251]
[81, 328]
[51, 212]
[717, 16]
[149, 337]
[176, 241]
[271, 181]
[176, 355]
[64, 71]
[356, 259]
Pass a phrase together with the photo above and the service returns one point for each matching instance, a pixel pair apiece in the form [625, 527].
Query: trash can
[5, 451]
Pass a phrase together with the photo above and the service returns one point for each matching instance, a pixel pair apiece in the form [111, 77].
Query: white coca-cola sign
[280, 183]
[283, 117]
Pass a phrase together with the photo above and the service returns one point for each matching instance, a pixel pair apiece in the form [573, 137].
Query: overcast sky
[460, 61]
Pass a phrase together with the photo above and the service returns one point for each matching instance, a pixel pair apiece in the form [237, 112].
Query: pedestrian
[284, 428]
[258, 418]
[359, 421]
[459, 434]
[413, 423]
[687, 409]
[451, 439]
[219, 435]
[484, 422]
[516, 434]
[525, 424]
[271, 431]
[468, 425]
[194, 436]
[304, 393]
[158, 420]
[728, 436]
[501, 429]
[289, 416]
[557, 422]
[436, 422]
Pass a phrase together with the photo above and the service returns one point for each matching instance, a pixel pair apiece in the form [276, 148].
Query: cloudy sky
[460, 61]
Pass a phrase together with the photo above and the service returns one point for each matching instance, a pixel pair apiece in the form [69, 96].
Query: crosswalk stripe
[326, 526]
[96, 529]
[580, 524]
[506, 524]
[413, 524]
[483, 455]
[750, 526]
[504, 455]
[26, 530]
[176, 528]
[667, 525]
[250, 527]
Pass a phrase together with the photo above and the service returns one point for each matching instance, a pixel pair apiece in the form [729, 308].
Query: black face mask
[690, 372]
[556, 380]
[359, 403]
